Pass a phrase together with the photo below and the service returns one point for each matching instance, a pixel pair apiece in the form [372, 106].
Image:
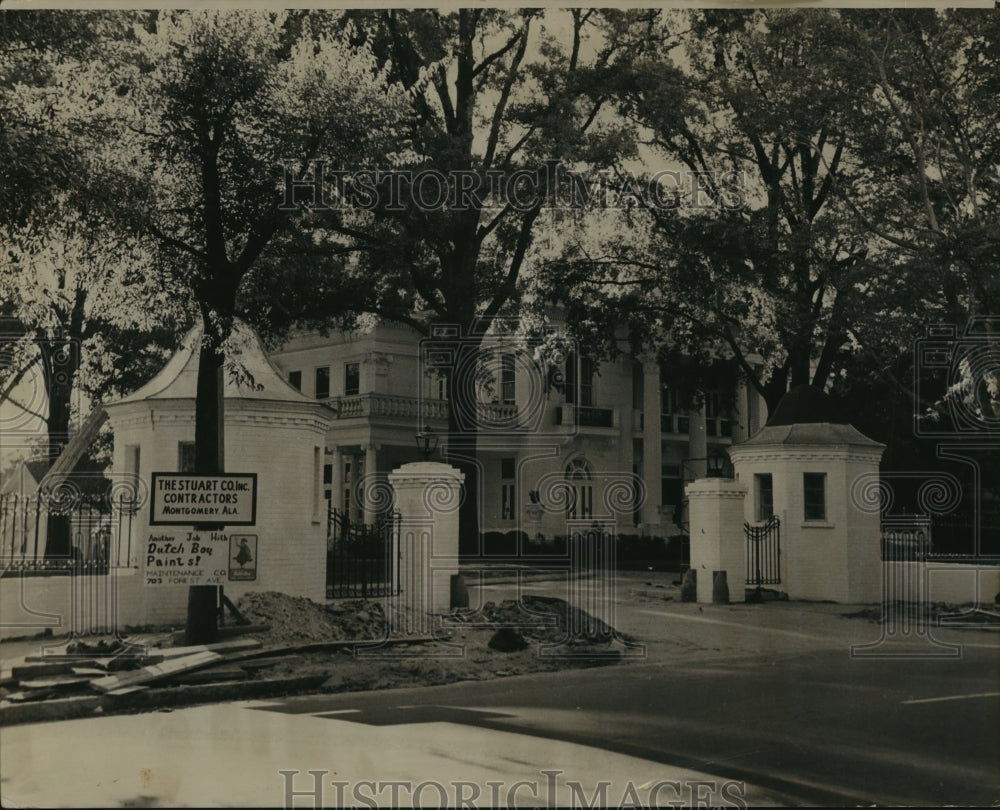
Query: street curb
[149, 699]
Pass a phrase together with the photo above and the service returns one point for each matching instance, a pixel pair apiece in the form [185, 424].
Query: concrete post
[715, 509]
[369, 489]
[427, 496]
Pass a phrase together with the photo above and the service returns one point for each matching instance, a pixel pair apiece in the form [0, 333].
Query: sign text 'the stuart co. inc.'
[228, 499]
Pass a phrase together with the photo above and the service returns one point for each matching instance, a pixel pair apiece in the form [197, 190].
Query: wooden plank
[260, 652]
[212, 675]
[270, 661]
[31, 694]
[64, 465]
[37, 670]
[156, 672]
[220, 647]
[55, 682]
[90, 672]
[127, 690]
[81, 660]
[120, 662]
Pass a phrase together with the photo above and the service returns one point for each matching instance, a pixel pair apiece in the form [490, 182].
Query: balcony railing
[495, 413]
[581, 416]
[385, 406]
[672, 423]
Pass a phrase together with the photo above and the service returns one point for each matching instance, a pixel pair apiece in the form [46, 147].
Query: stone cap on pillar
[420, 472]
[716, 488]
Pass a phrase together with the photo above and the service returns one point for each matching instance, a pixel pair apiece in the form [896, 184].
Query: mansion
[570, 433]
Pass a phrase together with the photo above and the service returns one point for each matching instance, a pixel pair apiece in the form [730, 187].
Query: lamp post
[717, 462]
[427, 442]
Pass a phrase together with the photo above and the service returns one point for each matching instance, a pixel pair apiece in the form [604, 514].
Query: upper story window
[295, 379]
[507, 377]
[580, 380]
[322, 382]
[718, 420]
[814, 495]
[672, 418]
[352, 379]
[587, 370]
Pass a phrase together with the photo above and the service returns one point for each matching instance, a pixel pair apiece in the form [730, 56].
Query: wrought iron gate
[763, 553]
[362, 559]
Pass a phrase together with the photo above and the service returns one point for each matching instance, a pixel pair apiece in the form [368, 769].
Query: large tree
[761, 258]
[495, 93]
[200, 110]
[77, 294]
[932, 150]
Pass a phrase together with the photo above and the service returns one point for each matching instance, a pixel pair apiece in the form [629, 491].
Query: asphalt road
[818, 728]
[770, 696]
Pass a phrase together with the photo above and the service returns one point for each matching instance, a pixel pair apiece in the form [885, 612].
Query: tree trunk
[60, 375]
[209, 435]
[774, 389]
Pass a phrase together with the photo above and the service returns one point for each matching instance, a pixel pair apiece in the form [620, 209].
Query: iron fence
[34, 526]
[362, 559]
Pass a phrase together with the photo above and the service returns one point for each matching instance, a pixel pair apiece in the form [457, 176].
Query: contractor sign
[229, 499]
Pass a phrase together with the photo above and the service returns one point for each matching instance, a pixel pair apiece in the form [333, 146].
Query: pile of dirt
[541, 618]
[512, 637]
[299, 619]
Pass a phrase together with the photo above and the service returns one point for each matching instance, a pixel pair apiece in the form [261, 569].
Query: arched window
[579, 478]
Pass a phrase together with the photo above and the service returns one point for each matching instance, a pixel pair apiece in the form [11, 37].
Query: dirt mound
[299, 619]
[541, 618]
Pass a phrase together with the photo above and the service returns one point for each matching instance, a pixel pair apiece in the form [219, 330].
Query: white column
[337, 478]
[715, 507]
[697, 443]
[652, 450]
[427, 496]
[368, 483]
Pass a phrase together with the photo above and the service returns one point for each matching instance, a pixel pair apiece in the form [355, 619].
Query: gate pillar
[715, 514]
[428, 495]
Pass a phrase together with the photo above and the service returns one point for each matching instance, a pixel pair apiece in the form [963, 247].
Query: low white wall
[941, 582]
[86, 604]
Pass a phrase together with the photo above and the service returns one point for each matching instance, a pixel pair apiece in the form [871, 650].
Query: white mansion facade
[599, 426]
